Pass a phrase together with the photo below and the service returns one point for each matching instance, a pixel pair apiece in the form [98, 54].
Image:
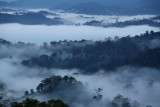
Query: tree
[53, 43]
[151, 32]
[35, 103]
[57, 83]
[98, 95]
[26, 93]
[5, 99]
[2, 86]
[45, 45]
[126, 103]
[31, 91]
[148, 106]
[147, 33]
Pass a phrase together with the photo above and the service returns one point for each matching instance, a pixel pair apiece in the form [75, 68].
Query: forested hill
[29, 18]
[91, 56]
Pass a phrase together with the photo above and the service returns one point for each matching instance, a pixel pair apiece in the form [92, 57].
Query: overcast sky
[119, 2]
[8, 0]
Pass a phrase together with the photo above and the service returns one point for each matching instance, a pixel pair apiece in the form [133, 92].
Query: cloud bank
[42, 33]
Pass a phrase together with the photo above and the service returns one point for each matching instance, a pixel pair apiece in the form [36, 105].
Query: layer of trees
[2, 86]
[135, 22]
[120, 101]
[108, 54]
[56, 87]
[29, 18]
[7, 102]
[56, 83]
[35, 103]
[150, 58]
[89, 56]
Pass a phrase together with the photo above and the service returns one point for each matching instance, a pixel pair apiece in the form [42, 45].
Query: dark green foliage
[149, 22]
[65, 88]
[150, 58]
[98, 95]
[58, 83]
[4, 42]
[29, 18]
[156, 18]
[120, 101]
[126, 103]
[93, 23]
[26, 93]
[148, 106]
[5, 99]
[136, 22]
[35, 103]
[31, 91]
[107, 55]
[2, 86]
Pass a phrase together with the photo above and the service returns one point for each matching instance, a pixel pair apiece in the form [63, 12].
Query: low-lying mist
[140, 84]
[42, 33]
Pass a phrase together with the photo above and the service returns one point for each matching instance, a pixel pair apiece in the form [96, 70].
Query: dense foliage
[29, 18]
[149, 22]
[35, 103]
[92, 56]
[137, 22]
[57, 87]
[57, 83]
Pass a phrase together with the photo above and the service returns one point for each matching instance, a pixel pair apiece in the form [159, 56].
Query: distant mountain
[89, 8]
[152, 7]
[127, 7]
[54, 3]
[96, 8]
[99, 9]
[63, 6]
[33, 3]
[40, 3]
[29, 19]
[2, 3]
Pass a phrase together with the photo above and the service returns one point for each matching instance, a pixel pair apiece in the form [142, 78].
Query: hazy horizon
[86, 53]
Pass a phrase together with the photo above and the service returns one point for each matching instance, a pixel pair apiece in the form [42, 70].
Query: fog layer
[42, 33]
[140, 84]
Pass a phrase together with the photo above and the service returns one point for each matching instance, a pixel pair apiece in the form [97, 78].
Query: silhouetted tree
[26, 93]
[31, 91]
[98, 95]
[35, 103]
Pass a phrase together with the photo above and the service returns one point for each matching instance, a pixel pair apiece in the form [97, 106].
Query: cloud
[8, 0]
[42, 33]
[115, 83]
[140, 84]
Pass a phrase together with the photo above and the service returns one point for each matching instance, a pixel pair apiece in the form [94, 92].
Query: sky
[120, 3]
[8, 0]
[99, 1]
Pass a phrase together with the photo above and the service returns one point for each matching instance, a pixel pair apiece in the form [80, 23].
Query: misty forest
[87, 53]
